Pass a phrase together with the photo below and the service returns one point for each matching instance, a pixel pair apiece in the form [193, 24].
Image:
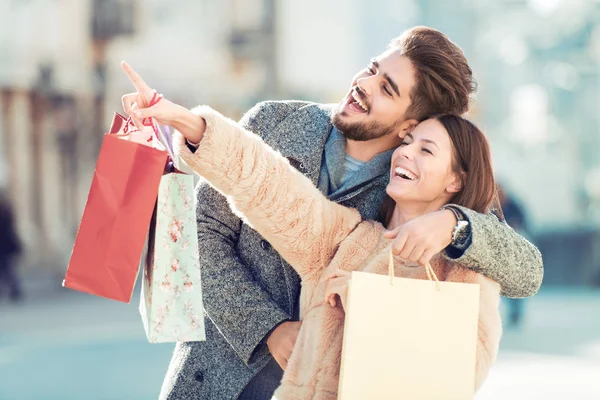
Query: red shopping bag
[110, 241]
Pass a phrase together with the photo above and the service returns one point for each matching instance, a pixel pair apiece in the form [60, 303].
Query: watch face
[461, 231]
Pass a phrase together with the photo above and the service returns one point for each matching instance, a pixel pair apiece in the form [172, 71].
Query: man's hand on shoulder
[420, 239]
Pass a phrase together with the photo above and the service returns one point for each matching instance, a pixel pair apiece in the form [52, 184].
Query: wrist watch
[461, 230]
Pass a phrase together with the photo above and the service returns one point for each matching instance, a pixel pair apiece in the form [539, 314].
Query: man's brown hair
[444, 80]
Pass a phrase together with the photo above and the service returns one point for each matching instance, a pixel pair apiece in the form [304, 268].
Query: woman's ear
[455, 185]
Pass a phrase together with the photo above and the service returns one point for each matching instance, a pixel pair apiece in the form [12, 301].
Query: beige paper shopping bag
[409, 339]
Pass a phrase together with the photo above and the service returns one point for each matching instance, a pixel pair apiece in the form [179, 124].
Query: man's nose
[366, 84]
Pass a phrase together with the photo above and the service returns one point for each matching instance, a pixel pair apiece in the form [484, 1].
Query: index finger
[139, 84]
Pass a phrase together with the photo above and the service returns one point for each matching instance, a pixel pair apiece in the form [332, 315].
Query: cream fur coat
[315, 235]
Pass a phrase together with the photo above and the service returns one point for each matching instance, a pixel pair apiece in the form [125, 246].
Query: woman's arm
[275, 199]
[272, 196]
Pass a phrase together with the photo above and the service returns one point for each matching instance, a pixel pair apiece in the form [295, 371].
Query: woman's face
[421, 168]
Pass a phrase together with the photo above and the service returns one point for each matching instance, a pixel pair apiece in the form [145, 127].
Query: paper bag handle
[428, 269]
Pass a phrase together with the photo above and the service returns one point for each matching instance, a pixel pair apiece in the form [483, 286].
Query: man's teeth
[360, 103]
[405, 173]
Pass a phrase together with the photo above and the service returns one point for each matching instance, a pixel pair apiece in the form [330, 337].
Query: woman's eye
[404, 144]
[426, 150]
[371, 70]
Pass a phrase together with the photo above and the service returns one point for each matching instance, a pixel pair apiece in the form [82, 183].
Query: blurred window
[112, 18]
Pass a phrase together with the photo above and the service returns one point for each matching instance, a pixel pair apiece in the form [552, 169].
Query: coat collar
[301, 137]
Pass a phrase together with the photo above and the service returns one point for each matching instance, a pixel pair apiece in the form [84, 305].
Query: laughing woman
[444, 160]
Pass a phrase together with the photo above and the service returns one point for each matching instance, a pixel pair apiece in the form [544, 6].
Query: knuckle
[128, 96]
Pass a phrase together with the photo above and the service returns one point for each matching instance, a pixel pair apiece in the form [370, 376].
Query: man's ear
[407, 126]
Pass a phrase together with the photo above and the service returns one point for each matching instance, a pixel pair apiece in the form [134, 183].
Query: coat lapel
[344, 195]
[301, 138]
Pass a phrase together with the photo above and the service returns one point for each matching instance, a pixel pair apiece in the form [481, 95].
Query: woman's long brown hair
[471, 161]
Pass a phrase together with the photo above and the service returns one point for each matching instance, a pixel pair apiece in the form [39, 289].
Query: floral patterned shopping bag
[171, 302]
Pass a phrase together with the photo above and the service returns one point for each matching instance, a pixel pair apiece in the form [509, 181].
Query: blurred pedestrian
[514, 215]
[10, 248]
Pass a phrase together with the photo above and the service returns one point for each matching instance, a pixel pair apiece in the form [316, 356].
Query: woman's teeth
[403, 173]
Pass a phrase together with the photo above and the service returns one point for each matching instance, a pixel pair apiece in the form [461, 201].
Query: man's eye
[387, 91]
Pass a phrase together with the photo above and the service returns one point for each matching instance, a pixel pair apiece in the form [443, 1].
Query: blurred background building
[537, 63]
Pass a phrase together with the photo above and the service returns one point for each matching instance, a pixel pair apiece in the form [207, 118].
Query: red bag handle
[156, 97]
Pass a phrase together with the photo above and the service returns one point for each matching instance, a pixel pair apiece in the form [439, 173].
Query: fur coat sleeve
[489, 325]
[273, 197]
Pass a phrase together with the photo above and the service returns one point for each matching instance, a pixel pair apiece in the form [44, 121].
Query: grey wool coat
[248, 289]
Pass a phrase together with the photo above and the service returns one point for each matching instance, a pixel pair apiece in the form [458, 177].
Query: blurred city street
[555, 355]
[70, 346]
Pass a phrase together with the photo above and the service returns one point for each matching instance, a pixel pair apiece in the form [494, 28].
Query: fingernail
[138, 114]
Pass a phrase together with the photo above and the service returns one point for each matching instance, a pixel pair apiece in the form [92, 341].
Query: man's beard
[363, 131]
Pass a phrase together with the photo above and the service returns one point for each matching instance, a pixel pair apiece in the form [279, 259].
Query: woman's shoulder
[367, 235]
[371, 228]
[361, 245]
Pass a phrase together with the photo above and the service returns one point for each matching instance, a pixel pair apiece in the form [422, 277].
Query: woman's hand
[137, 105]
[337, 287]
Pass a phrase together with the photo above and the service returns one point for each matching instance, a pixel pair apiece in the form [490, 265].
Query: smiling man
[251, 295]
[371, 108]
